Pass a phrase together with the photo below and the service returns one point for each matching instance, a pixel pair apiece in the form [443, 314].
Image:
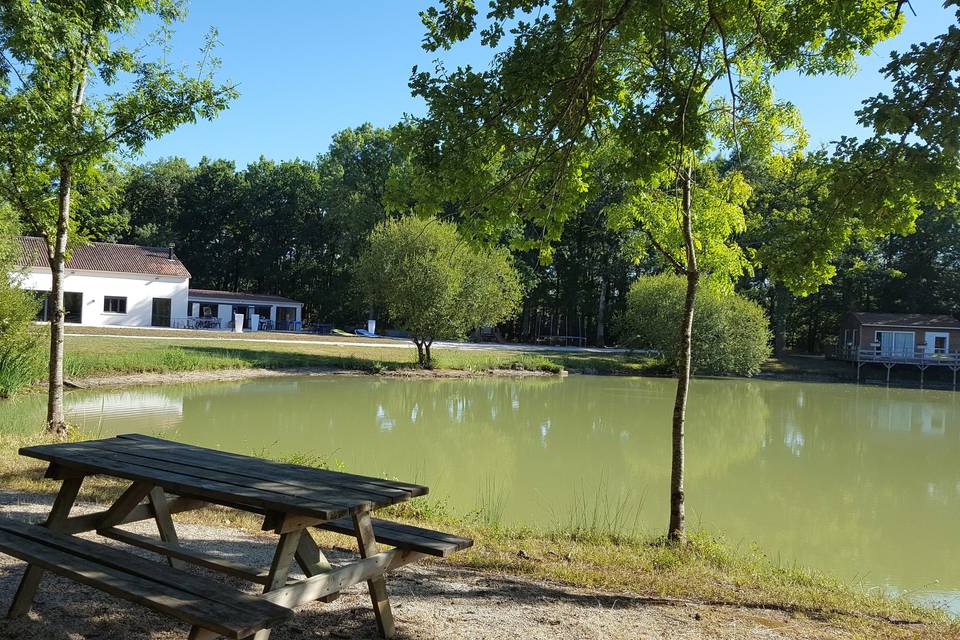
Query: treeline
[296, 228]
[915, 273]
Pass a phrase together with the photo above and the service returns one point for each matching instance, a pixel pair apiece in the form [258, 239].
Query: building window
[114, 304]
[897, 343]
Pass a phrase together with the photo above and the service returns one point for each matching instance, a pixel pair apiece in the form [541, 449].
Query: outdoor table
[174, 477]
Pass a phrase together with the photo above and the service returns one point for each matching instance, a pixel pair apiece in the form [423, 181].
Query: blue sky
[309, 68]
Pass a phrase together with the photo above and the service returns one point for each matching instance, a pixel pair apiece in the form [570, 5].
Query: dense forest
[295, 228]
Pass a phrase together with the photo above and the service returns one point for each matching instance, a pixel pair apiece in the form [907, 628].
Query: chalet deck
[890, 359]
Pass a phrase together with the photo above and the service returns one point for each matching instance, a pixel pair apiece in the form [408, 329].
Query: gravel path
[430, 601]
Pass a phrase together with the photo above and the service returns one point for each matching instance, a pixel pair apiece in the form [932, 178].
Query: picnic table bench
[172, 478]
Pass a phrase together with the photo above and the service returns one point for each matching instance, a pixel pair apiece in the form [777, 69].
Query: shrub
[21, 353]
[731, 334]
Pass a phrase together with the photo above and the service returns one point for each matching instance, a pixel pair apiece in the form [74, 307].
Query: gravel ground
[430, 601]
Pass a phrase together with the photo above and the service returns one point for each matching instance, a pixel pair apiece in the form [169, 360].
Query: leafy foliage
[61, 108]
[20, 348]
[731, 333]
[433, 284]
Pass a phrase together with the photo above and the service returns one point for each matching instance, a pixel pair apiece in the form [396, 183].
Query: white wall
[139, 290]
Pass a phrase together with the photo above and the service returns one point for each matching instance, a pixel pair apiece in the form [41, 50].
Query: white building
[274, 312]
[128, 285]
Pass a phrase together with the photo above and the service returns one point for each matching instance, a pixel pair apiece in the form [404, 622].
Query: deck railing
[917, 357]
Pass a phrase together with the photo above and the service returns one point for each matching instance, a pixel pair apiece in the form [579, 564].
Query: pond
[862, 483]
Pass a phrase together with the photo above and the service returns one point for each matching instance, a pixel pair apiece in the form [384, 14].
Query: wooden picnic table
[173, 477]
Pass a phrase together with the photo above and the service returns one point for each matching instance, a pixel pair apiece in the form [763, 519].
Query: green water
[863, 483]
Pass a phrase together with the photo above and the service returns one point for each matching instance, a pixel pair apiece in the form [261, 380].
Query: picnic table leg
[312, 561]
[58, 514]
[377, 586]
[161, 513]
[280, 567]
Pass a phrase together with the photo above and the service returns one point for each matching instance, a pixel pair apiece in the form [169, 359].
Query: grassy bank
[705, 571]
[90, 356]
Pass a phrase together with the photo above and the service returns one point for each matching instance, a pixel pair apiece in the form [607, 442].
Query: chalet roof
[233, 295]
[104, 256]
[908, 320]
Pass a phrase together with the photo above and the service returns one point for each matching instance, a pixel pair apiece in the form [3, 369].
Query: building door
[937, 342]
[161, 313]
[898, 344]
[72, 307]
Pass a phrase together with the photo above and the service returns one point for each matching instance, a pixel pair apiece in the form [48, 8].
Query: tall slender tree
[71, 96]
[670, 82]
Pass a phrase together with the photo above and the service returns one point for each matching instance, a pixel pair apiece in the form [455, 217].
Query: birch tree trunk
[57, 252]
[677, 528]
[56, 423]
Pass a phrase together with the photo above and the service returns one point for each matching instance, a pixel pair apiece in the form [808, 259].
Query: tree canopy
[433, 284]
[667, 84]
[72, 97]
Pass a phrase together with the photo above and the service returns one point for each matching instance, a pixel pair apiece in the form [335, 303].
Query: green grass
[589, 552]
[88, 356]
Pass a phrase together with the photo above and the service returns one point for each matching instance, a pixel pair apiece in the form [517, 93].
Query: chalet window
[114, 304]
[897, 343]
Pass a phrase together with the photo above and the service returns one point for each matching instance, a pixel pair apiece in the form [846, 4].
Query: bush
[21, 353]
[731, 334]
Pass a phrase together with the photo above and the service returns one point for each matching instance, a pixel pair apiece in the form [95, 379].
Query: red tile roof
[103, 256]
[908, 320]
[232, 295]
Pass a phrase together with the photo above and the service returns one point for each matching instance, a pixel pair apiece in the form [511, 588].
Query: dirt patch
[431, 600]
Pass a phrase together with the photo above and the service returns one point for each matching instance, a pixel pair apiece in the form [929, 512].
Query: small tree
[731, 334]
[433, 284]
[71, 97]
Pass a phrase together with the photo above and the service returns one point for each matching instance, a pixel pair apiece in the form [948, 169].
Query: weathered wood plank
[59, 513]
[235, 621]
[90, 521]
[403, 536]
[210, 561]
[280, 567]
[125, 562]
[341, 578]
[376, 584]
[102, 463]
[233, 474]
[127, 502]
[294, 473]
[165, 527]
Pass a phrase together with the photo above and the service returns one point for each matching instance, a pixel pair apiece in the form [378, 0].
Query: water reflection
[861, 482]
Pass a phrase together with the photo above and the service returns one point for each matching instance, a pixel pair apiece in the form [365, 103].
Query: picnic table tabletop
[220, 476]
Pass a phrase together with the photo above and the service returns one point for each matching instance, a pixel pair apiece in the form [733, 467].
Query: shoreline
[253, 373]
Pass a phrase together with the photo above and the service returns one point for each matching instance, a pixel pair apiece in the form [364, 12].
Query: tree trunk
[57, 254]
[428, 362]
[677, 528]
[601, 313]
[420, 356]
[780, 302]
